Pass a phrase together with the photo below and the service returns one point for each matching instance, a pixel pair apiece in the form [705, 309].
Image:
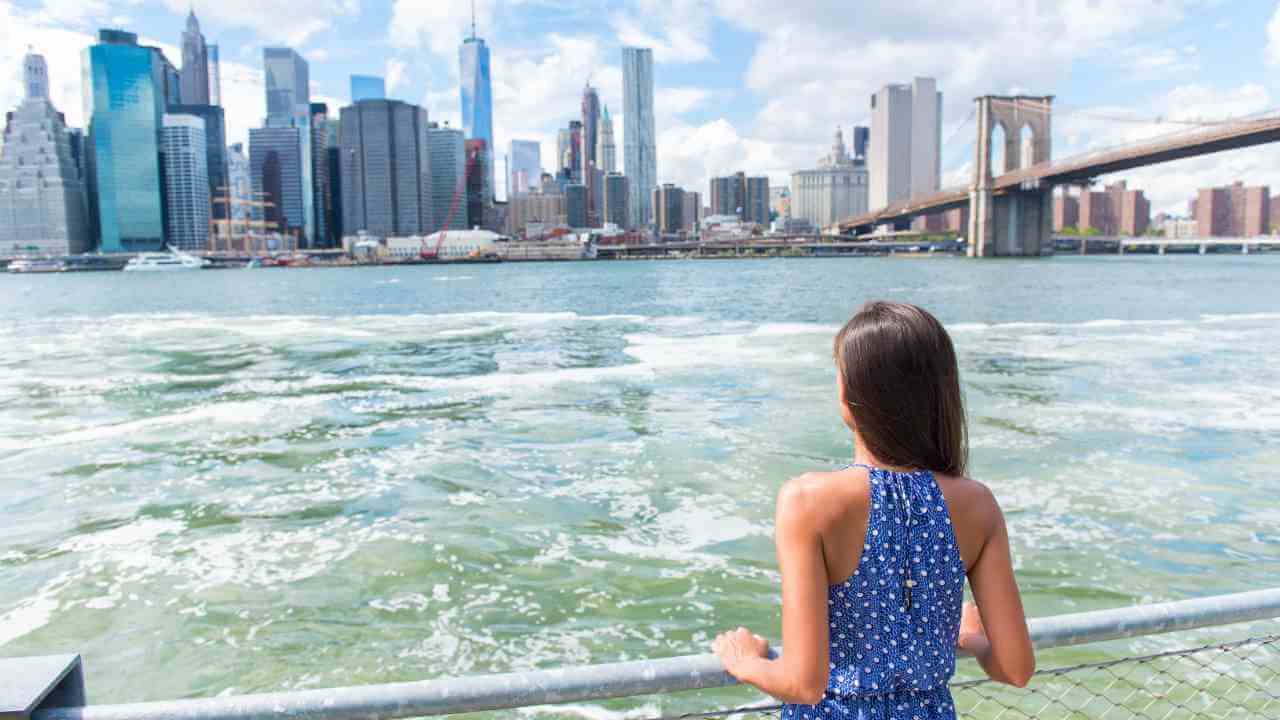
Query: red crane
[434, 253]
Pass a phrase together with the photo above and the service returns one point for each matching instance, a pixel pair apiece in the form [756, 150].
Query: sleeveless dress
[893, 643]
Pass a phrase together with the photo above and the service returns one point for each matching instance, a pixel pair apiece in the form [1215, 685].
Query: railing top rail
[642, 677]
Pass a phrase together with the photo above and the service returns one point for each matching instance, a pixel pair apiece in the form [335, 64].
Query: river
[242, 481]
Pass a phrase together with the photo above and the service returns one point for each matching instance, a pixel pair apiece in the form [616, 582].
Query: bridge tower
[1019, 220]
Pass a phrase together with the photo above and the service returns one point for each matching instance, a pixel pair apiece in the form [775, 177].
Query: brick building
[1116, 210]
[1233, 211]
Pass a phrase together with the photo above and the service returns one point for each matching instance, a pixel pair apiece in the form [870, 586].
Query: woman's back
[874, 558]
[893, 620]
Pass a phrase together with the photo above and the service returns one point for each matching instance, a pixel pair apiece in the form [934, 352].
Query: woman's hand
[738, 647]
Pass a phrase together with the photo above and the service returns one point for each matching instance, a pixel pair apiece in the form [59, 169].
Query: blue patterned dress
[893, 646]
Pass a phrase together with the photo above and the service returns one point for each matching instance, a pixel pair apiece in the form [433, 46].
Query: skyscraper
[186, 181]
[861, 139]
[215, 75]
[386, 174]
[607, 152]
[42, 196]
[333, 172]
[526, 165]
[448, 159]
[368, 87]
[906, 139]
[616, 201]
[288, 93]
[590, 139]
[478, 196]
[640, 155]
[125, 100]
[668, 208]
[195, 64]
[215, 135]
[320, 174]
[477, 100]
[575, 205]
[276, 171]
[288, 86]
[746, 197]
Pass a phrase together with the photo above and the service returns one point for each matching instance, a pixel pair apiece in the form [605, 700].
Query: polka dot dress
[893, 624]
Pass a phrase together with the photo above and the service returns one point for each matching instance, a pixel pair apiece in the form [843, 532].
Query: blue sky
[754, 85]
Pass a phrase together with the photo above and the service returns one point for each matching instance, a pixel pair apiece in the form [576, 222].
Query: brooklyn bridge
[1011, 214]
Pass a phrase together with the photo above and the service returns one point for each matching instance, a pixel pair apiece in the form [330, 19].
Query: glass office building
[477, 101]
[124, 86]
[526, 166]
[215, 132]
[639, 141]
[288, 89]
[186, 181]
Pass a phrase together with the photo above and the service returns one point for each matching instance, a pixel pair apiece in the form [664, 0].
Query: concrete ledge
[28, 684]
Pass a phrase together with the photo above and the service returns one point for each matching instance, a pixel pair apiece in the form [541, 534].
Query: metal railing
[693, 672]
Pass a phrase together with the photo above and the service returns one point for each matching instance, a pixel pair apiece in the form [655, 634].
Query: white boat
[37, 266]
[165, 262]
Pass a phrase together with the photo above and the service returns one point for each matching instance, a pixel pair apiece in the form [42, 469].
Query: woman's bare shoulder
[824, 497]
[970, 501]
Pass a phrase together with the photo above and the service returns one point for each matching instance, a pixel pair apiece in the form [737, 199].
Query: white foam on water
[788, 329]
[592, 712]
[29, 616]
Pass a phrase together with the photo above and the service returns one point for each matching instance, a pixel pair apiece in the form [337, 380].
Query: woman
[874, 557]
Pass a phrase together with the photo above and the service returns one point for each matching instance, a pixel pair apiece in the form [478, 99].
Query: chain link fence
[1231, 680]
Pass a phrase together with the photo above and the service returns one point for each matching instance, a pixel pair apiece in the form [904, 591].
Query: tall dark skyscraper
[386, 174]
[590, 171]
[322, 202]
[288, 92]
[195, 64]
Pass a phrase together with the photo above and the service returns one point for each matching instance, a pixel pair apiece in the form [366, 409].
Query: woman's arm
[1001, 644]
[800, 676]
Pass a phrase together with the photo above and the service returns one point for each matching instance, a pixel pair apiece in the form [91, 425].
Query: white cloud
[817, 62]
[270, 21]
[61, 48]
[435, 25]
[679, 31]
[1273, 38]
[690, 155]
[395, 74]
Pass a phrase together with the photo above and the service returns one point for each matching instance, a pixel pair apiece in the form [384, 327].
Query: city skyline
[723, 92]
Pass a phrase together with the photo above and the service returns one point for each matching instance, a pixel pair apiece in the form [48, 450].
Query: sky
[752, 85]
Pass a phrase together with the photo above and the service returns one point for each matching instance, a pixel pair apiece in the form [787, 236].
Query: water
[244, 481]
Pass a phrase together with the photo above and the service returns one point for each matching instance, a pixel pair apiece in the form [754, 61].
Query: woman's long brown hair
[902, 385]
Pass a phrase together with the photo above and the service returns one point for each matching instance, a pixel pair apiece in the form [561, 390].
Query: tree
[1069, 230]
[1091, 232]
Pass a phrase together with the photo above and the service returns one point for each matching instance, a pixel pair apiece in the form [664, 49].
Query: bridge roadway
[764, 244]
[1083, 168]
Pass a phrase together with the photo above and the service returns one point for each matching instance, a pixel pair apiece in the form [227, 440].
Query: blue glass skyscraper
[289, 106]
[477, 99]
[125, 93]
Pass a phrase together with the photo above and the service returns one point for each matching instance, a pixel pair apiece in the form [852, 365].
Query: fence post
[28, 684]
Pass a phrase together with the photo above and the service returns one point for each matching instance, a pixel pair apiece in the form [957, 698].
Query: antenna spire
[473, 19]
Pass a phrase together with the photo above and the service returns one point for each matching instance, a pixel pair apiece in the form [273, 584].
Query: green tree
[1091, 232]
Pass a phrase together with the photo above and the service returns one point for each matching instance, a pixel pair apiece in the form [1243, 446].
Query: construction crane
[458, 192]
